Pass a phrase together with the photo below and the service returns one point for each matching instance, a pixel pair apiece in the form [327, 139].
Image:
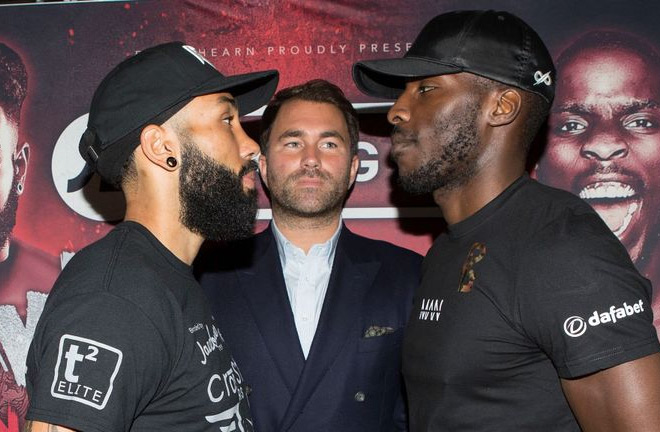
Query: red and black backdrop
[68, 47]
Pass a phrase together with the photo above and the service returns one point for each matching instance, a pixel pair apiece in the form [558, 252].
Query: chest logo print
[468, 275]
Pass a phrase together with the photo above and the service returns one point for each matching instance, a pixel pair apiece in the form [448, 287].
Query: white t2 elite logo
[85, 371]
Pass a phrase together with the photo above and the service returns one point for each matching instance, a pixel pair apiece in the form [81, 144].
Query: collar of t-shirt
[306, 277]
[159, 247]
[473, 222]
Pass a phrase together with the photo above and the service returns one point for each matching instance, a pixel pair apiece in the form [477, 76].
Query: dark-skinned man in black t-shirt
[530, 315]
[126, 340]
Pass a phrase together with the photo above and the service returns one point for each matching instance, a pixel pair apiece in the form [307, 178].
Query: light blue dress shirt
[306, 277]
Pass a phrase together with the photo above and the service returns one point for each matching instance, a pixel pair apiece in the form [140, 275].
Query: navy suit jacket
[348, 382]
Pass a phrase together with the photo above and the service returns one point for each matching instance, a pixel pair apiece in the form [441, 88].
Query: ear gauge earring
[19, 188]
[171, 162]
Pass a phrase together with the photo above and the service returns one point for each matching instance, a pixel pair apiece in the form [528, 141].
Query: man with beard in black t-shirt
[126, 340]
[530, 315]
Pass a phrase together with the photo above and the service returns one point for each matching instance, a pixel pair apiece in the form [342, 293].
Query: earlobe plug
[171, 162]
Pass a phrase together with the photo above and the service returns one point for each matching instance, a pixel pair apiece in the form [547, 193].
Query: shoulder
[216, 258]
[545, 218]
[378, 249]
[124, 264]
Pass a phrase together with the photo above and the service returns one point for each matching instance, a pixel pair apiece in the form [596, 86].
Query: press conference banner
[602, 142]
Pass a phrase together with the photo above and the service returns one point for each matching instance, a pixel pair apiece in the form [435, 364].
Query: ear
[355, 164]
[157, 146]
[534, 173]
[506, 107]
[263, 169]
[21, 160]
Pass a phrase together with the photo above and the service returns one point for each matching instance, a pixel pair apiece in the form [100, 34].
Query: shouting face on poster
[604, 138]
[26, 274]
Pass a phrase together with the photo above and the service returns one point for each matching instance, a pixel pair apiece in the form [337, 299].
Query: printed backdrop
[603, 141]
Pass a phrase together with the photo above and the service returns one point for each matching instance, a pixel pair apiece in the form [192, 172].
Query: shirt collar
[288, 250]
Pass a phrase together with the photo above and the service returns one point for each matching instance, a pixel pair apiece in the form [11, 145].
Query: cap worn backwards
[496, 45]
[150, 87]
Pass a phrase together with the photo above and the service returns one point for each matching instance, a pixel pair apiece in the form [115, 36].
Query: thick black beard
[8, 213]
[213, 202]
[453, 163]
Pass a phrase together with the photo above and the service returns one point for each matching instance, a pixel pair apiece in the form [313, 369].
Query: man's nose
[310, 157]
[604, 146]
[249, 149]
[399, 112]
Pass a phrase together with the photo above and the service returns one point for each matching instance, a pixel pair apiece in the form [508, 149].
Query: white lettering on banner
[384, 47]
[227, 52]
[430, 309]
[338, 48]
[576, 326]
[306, 49]
[371, 165]
[211, 343]
[15, 337]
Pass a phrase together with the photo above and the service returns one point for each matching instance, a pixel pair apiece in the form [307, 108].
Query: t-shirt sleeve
[581, 299]
[95, 361]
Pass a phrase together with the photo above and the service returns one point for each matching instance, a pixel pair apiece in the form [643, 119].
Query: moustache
[401, 135]
[248, 168]
[309, 172]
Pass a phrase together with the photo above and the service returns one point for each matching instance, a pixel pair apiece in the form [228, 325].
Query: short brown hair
[317, 90]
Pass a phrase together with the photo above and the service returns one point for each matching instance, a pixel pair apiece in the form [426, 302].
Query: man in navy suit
[313, 312]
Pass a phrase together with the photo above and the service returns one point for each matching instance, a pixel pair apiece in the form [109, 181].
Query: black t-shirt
[127, 342]
[531, 287]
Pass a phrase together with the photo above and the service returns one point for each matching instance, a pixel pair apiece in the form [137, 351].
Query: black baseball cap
[149, 88]
[492, 44]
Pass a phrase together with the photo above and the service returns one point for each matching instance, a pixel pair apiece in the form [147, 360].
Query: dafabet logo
[576, 326]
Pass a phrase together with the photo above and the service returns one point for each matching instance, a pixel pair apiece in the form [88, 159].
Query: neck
[159, 213]
[463, 201]
[179, 240]
[305, 232]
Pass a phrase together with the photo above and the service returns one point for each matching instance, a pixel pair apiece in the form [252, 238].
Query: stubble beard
[452, 162]
[292, 202]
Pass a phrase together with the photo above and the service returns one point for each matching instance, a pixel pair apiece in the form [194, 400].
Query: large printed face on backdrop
[604, 139]
[308, 167]
[435, 140]
[13, 165]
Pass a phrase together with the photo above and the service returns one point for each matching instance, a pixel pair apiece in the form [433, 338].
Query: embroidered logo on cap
[85, 371]
[541, 77]
[197, 55]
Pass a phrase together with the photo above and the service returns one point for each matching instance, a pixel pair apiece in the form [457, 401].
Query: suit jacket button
[359, 396]
[248, 390]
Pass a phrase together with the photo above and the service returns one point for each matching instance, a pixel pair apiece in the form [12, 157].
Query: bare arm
[623, 398]
[37, 426]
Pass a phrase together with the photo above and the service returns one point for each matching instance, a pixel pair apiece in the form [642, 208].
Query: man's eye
[640, 123]
[425, 88]
[572, 127]
[229, 120]
[329, 144]
[291, 144]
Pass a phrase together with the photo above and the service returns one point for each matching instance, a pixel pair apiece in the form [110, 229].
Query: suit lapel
[349, 281]
[264, 290]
